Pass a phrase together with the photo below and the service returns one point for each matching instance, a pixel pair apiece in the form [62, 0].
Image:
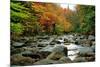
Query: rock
[91, 37]
[85, 50]
[80, 59]
[92, 54]
[61, 48]
[65, 59]
[58, 42]
[82, 37]
[43, 54]
[43, 37]
[85, 42]
[52, 43]
[58, 52]
[30, 40]
[46, 61]
[18, 44]
[23, 39]
[17, 50]
[69, 38]
[93, 48]
[27, 52]
[43, 43]
[29, 44]
[32, 49]
[31, 54]
[90, 58]
[55, 55]
[21, 61]
[48, 48]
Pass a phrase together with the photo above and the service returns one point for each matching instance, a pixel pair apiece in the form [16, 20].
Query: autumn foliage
[50, 18]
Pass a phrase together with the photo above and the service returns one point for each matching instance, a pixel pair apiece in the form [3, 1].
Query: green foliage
[17, 28]
[18, 16]
[58, 29]
[87, 18]
[19, 12]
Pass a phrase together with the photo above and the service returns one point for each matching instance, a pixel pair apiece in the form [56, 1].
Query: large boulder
[58, 52]
[55, 55]
[61, 49]
[21, 61]
[80, 59]
[46, 61]
[65, 59]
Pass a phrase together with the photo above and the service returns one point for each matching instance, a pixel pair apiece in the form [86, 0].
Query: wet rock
[17, 50]
[69, 38]
[46, 61]
[31, 41]
[24, 39]
[48, 48]
[55, 55]
[90, 59]
[91, 37]
[93, 43]
[65, 59]
[93, 48]
[80, 59]
[82, 37]
[31, 54]
[52, 43]
[18, 44]
[91, 54]
[85, 50]
[58, 52]
[27, 53]
[85, 42]
[43, 37]
[43, 43]
[58, 42]
[21, 61]
[29, 44]
[44, 54]
[32, 49]
[61, 49]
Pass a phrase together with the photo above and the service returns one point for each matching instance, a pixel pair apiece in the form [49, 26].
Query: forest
[34, 25]
[29, 18]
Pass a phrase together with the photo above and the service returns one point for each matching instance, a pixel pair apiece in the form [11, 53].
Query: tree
[86, 15]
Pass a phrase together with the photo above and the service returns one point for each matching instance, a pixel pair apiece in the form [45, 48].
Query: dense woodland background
[35, 18]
